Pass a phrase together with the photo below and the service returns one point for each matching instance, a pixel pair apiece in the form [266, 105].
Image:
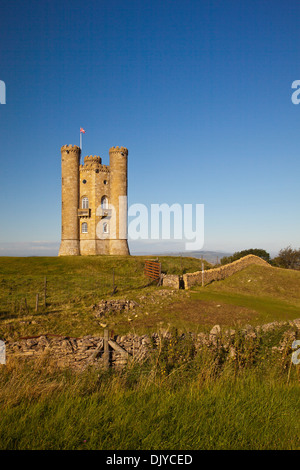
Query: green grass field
[74, 285]
[199, 403]
[198, 406]
[255, 295]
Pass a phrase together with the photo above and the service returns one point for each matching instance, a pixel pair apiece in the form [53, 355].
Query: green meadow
[174, 400]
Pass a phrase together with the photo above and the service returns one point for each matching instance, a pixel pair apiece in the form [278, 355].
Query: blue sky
[198, 91]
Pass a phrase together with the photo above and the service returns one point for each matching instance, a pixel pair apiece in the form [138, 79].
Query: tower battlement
[94, 167]
[122, 150]
[92, 159]
[70, 148]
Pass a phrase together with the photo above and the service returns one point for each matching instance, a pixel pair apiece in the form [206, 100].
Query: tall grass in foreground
[198, 402]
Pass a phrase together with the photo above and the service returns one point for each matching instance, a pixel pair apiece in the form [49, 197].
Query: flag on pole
[82, 131]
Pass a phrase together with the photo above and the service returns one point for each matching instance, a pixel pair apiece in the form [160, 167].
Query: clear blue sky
[198, 91]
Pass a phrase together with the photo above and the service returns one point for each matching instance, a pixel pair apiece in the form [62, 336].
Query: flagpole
[80, 146]
[81, 131]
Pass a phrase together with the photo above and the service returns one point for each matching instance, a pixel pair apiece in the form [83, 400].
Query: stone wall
[170, 280]
[80, 353]
[217, 274]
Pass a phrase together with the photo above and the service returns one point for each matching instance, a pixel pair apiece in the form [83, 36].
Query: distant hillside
[212, 257]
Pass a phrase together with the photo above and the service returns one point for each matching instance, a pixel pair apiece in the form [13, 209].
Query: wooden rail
[153, 269]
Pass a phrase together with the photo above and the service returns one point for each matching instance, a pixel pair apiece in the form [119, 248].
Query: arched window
[105, 227]
[84, 227]
[85, 203]
[104, 203]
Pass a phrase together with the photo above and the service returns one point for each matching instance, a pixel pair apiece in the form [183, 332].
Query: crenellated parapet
[87, 168]
[70, 148]
[121, 150]
[92, 159]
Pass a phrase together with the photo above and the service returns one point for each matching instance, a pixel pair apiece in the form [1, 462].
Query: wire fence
[31, 285]
[34, 293]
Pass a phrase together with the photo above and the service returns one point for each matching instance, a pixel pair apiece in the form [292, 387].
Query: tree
[240, 254]
[288, 258]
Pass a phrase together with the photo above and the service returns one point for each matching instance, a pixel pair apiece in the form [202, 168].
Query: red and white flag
[82, 130]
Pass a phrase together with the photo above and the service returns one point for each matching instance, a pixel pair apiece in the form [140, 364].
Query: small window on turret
[84, 228]
[105, 228]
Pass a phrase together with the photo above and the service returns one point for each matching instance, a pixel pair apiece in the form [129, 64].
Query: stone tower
[94, 203]
[70, 156]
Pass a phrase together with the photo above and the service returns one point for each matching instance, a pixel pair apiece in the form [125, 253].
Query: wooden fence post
[106, 348]
[37, 302]
[113, 281]
[45, 291]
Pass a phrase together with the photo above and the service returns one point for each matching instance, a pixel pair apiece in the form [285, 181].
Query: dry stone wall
[81, 353]
[171, 280]
[217, 274]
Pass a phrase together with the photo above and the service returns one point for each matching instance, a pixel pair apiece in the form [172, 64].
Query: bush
[240, 254]
[288, 258]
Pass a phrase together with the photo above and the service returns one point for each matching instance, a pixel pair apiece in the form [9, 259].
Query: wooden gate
[153, 270]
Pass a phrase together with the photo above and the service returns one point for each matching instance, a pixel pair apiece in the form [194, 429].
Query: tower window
[85, 203]
[84, 181]
[105, 227]
[84, 228]
[104, 203]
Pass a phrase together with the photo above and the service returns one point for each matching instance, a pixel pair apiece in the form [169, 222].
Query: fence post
[106, 349]
[202, 274]
[113, 281]
[160, 278]
[45, 291]
[37, 302]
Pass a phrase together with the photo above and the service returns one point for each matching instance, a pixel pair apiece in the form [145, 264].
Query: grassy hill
[73, 286]
[202, 403]
[255, 295]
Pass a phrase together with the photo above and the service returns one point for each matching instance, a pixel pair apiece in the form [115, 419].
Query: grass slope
[201, 403]
[255, 295]
[74, 284]
[192, 408]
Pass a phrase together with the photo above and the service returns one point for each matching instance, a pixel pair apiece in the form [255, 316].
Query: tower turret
[118, 199]
[70, 158]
